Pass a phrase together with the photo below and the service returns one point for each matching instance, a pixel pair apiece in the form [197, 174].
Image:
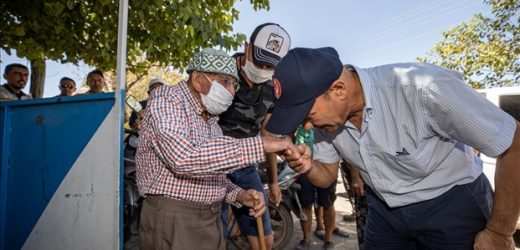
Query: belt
[167, 203]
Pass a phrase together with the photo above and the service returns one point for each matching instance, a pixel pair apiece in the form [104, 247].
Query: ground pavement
[343, 207]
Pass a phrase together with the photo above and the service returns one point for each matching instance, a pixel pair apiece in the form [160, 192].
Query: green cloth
[302, 136]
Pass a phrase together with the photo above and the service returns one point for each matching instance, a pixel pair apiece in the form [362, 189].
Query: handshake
[297, 156]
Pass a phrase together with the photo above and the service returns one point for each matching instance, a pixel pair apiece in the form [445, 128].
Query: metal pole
[121, 46]
[119, 109]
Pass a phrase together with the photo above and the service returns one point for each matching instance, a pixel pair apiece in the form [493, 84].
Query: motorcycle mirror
[133, 103]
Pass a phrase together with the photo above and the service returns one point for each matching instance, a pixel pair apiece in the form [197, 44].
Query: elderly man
[16, 76]
[408, 128]
[183, 158]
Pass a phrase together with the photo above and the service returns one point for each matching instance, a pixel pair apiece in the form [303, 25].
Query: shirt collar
[366, 85]
[19, 95]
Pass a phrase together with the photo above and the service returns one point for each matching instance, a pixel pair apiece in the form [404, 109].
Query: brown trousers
[168, 224]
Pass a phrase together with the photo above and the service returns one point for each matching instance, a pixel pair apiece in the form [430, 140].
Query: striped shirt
[184, 157]
[418, 119]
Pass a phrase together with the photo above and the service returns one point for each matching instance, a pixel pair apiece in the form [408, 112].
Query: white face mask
[255, 74]
[218, 98]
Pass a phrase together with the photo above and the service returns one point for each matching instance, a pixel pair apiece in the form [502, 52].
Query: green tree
[138, 84]
[165, 32]
[485, 49]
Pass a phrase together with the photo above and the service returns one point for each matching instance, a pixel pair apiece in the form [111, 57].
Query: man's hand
[487, 239]
[278, 145]
[248, 197]
[300, 159]
[138, 124]
[358, 186]
[140, 114]
[275, 195]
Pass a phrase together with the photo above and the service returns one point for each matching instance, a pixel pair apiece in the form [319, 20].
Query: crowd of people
[406, 132]
[17, 76]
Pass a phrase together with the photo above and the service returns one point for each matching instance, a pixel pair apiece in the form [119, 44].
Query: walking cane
[260, 228]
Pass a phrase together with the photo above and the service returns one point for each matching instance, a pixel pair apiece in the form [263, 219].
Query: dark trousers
[173, 224]
[449, 221]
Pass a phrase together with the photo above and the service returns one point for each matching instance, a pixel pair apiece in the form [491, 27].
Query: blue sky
[365, 33]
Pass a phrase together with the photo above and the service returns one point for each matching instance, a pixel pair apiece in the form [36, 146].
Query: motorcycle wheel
[126, 225]
[282, 225]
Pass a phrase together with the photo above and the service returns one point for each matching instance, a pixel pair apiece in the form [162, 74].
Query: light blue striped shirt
[418, 119]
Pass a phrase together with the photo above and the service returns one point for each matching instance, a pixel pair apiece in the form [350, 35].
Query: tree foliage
[138, 84]
[166, 32]
[485, 49]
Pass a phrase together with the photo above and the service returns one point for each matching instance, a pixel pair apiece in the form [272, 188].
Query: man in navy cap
[408, 128]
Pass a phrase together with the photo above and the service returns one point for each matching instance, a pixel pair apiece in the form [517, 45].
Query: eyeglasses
[66, 87]
[228, 81]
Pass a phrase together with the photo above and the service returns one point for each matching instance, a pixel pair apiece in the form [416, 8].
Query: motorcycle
[281, 218]
[132, 201]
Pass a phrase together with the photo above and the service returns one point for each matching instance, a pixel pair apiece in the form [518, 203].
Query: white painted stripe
[84, 211]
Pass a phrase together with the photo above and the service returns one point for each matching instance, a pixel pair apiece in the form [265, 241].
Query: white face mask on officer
[256, 74]
[218, 98]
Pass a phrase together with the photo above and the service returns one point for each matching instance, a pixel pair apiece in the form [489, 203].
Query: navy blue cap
[301, 77]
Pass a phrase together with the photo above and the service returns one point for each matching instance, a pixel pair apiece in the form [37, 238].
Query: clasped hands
[298, 157]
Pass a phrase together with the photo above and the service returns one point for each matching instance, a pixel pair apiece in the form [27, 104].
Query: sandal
[320, 234]
[340, 233]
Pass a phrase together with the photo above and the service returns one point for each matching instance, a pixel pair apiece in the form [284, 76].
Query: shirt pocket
[416, 163]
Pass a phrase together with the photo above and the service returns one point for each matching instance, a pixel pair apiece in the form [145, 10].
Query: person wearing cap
[248, 114]
[135, 120]
[407, 128]
[67, 86]
[183, 158]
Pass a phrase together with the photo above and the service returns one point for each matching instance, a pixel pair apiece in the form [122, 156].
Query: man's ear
[195, 80]
[338, 89]
[200, 83]
[248, 50]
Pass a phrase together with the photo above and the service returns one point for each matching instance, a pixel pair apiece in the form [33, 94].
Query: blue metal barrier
[41, 140]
